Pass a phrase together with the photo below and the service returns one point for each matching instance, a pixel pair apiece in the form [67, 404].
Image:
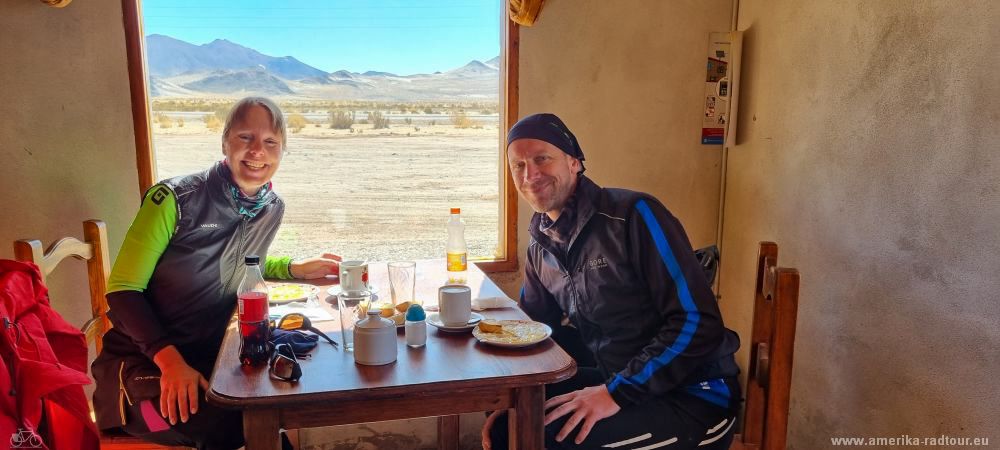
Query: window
[392, 120]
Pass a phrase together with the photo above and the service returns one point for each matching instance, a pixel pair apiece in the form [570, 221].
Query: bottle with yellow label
[457, 253]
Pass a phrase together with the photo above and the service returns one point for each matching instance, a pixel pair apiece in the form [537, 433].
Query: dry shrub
[164, 121]
[378, 121]
[341, 120]
[212, 122]
[460, 120]
[296, 122]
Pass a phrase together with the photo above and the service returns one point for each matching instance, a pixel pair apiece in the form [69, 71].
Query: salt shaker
[416, 326]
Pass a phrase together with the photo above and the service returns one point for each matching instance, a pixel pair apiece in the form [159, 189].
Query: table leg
[527, 429]
[260, 429]
[448, 432]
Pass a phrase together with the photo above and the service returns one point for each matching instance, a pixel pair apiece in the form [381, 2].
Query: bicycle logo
[25, 438]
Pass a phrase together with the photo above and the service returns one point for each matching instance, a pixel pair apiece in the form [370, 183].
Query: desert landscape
[375, 160]
[377, 194]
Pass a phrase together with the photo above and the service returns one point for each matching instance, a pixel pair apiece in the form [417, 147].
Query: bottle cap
[415, 313]
[251, 259]
[456, 210]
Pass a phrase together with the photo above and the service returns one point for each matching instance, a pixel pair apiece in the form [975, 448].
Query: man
[655, 362]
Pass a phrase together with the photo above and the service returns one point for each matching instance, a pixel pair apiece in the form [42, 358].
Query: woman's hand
[311, 268]
[588, 405]
[179, 384]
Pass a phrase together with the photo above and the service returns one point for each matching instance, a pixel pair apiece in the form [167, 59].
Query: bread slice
[490, 326]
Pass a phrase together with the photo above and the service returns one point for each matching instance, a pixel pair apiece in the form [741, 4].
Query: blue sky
[398, 36]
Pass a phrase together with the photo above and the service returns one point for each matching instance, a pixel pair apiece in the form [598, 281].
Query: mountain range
[226, 69]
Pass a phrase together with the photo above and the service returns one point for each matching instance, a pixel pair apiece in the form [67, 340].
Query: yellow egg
[386, 309]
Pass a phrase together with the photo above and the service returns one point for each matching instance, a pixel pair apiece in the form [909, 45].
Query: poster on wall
[716, 111]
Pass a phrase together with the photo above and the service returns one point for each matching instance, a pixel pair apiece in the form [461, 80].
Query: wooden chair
[94, 250]
[776, 300]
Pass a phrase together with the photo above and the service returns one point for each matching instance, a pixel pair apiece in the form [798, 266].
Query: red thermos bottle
[253, 317]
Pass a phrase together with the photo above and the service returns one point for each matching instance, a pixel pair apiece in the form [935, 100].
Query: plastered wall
[868, 152]
[627, 78]
[66, 137]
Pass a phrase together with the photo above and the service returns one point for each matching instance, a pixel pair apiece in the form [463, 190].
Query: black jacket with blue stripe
[630, 283]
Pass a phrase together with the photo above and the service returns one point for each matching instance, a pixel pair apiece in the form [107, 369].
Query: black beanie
[549, 128]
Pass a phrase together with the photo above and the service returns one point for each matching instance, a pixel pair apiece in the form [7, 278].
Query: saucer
[335, 290]
[435, 320]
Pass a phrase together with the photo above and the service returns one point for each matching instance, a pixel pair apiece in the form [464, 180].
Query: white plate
[435, 320]
[303, 292]
[486, 337]
[335, 291]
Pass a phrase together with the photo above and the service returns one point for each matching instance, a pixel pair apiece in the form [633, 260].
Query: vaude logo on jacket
[597, 263]
[210, 225]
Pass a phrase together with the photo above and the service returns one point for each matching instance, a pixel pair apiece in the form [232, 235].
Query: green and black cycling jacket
[177, 273]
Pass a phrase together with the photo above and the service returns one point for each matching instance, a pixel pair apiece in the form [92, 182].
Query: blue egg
[415, 313]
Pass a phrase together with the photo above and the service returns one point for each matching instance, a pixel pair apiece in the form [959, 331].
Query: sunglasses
[283, 364]
[299, 321]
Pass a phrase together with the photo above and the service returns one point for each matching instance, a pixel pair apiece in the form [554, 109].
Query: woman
[173, 287]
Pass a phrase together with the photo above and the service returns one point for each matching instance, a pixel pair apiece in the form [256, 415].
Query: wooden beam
[134, 39]
[509, 74]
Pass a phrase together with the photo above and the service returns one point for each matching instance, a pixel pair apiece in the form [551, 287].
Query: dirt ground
[377, 195]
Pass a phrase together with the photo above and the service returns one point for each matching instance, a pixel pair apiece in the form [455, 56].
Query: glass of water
[352, 308]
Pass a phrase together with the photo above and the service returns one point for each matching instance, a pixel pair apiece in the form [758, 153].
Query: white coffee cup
[455, 305]
[354, 277]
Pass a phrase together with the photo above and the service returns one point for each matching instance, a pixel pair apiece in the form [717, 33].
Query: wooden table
[452, 374]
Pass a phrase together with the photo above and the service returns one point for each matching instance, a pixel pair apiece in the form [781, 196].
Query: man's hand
[178, 385]
[311, 268]
[588, 405]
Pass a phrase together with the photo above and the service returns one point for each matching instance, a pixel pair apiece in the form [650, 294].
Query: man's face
[253, 150]
[543, 174]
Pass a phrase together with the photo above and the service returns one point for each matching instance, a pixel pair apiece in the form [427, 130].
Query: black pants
[677, 421]
[211, 428]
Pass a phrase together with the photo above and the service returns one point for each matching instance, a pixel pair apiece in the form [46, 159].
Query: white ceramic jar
[375, 340]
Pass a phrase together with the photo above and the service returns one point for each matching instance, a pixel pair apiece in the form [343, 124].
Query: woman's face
[253, 150]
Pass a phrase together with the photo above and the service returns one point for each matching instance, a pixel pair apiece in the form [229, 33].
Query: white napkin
[481, 303]
[310, 309]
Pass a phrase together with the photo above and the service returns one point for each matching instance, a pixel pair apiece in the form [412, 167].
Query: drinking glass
[352, 308]
[402, 281]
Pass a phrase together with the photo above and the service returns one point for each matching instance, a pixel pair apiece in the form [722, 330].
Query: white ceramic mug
[455, 305]
[354, 277]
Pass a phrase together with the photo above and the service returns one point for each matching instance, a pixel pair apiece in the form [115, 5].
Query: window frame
[509, 48]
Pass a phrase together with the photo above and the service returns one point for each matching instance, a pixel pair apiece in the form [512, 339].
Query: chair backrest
[708, 258]
[94, 250]
[776, 300]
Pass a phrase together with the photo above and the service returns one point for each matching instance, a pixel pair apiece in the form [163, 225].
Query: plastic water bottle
[458, 264]
[253, 314]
